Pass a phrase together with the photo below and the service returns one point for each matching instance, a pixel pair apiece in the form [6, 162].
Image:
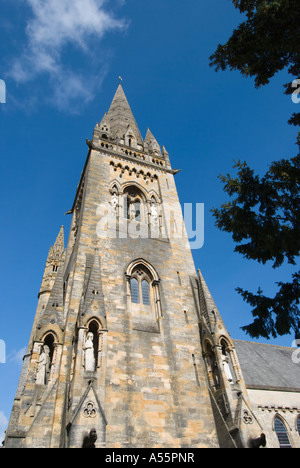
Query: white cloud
[17, 356]
[3, 426]
[54, 26]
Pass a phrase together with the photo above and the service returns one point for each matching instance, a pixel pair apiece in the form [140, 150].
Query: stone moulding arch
[138, 186]
[142, 262]
[207, 344]
[54, 330]
[283, 421]
[115, 184]
[153, 194]
[100, 322]
[227, 340]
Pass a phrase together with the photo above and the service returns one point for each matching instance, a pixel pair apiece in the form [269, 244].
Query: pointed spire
[151, 143]
[120, 118]
[53, 311]
[59, 244]
[54, 259]
[207, 305]
[56, 298]
[57, 249]
[94, 298]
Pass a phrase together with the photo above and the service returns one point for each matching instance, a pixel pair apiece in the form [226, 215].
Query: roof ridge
[264, 344]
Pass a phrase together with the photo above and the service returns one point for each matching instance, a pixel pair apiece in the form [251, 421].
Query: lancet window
[143, 295]
[140, 287]
[282, 433]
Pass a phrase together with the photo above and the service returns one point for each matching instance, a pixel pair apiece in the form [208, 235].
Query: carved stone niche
[92, 337]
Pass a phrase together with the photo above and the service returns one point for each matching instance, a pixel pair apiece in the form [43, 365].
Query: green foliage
[265, 212]
[264, 219]
[267, 42]
[263, 215]
[277, 315]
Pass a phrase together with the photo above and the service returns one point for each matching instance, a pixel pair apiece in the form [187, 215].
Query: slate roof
[269, 366]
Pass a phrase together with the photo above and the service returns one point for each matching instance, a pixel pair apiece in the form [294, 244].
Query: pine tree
[263, 215]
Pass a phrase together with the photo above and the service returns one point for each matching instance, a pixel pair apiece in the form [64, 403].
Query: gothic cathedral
[128, 348]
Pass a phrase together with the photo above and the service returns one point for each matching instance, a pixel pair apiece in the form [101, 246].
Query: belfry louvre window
[282, 434]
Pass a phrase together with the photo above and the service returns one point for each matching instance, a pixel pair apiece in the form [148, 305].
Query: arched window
[143, 296]
[298, 425]
[140, 287]
[93, 328]
[49, 341]
[282, 433]
[130, 139]
[146, 292]
[134, 289]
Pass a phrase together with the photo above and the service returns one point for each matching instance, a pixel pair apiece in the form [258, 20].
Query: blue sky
[61, 67]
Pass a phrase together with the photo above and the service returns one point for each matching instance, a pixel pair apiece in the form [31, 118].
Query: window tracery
[143, 296]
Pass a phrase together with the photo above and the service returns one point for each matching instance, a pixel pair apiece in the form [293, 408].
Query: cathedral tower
[115, 356]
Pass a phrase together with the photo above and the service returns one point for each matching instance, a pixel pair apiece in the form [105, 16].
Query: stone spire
[53, 313]
[151, 144]
[59, 244]
[209, 310]
[119, 122]
[54, 259]
[93, 300]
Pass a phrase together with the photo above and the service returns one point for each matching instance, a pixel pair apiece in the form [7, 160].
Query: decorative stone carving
[154, 212]
[114, 202]
[247, 417]
[90, 410]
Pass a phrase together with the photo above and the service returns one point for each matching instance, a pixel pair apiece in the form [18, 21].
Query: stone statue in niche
[131, 207]
[154, 212]
[225, 361]
[43, 365]
[89, 355]
[114, 202]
